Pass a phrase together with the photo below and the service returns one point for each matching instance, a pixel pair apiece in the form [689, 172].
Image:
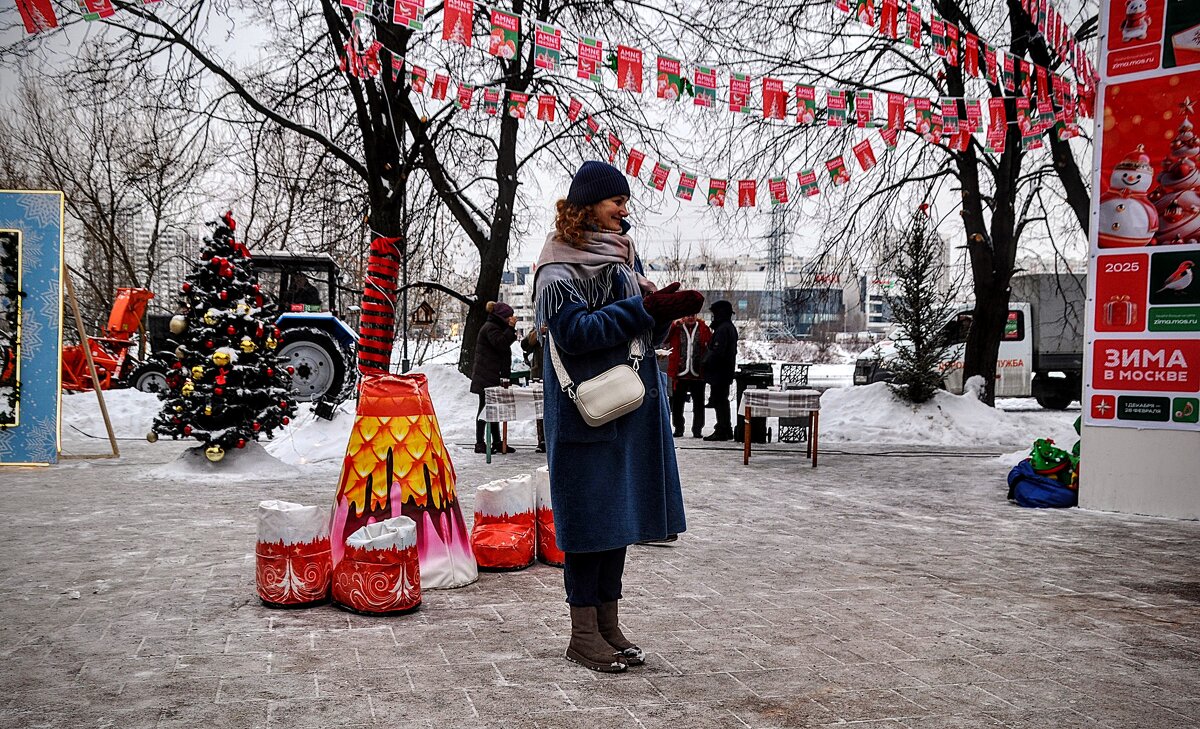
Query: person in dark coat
[492, 363]
[531, 345]
[615, 484]
[719, 366]
[688, 342]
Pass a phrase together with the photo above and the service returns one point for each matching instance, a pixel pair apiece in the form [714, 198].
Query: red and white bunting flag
[889, 18]
[739, 92]
[573, 109]
[592, 127]
[686, 186]
[747, 193]
[358, 6]
[591, 59]
[505, 35]
[806, 104]
[441, 84]
[865, 154]
[989, 59]
[517, 103]
[937, 31]
[614, 146]
[669, 82]
[974, 116]
[397, 67]
[658, 176]
[491, 102]
[417, 76]
[547, 106]
[37, 15]
[633, 165]
[897, 106]
[465, 93]
[705, 85]
[971, 55]
[837, 171]
[891, 137]
[774, 97]
[716, 192]
[629, 69]
[457, 18]
[864, 109]
[808, 183]
[777, 186]
[952, 44]
[409, 14]
[913, 16]
[997, 125]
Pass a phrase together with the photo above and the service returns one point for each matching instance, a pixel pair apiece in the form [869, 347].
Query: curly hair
[572, 221]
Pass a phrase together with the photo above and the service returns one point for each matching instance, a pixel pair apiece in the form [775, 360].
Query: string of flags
[1042, 101]
[39, 15]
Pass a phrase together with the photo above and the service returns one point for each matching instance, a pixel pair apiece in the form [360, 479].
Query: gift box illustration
[292, 557]
[503, 536]
[547, 548]
[397, 465]
[379, 572]
[1120, 311]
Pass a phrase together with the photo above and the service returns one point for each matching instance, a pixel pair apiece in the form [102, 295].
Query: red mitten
[670, 303]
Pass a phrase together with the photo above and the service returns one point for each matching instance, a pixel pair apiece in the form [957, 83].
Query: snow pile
[251, 463]
[131, 412]
[872, 414]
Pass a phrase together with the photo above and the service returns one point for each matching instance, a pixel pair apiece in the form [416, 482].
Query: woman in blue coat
[615, 484]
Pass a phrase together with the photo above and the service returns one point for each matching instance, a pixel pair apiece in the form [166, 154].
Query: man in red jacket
[688, 341]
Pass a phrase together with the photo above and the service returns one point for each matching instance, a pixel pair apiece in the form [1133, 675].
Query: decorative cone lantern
[503, 536]
[547, 548]
[292, 562]
[379, 573]
[397, 465]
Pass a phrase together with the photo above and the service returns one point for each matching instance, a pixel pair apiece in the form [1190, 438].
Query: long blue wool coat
[617, 484]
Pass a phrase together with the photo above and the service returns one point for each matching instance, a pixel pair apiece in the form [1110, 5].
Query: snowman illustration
[1136, 24]
[1127, 217]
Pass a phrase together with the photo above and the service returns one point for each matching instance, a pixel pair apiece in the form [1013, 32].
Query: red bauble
[186, 287]
[187, 430]
[283, 404]
[270, 372]
[218, 390]
[258, 332]
[208, 343]
[230, 330]
[285, 420]
[241, 443]
[256, 426]
[223, 296]
[291, 370]
[278, 335]
[176, 420]
[176, 365]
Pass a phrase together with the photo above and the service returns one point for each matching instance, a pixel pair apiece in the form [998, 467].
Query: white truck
[1041, 355]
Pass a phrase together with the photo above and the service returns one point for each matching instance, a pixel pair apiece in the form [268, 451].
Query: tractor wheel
[149, 377]
[319, 366]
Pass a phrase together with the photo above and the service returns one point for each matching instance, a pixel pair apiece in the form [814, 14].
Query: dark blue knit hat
[596, 181]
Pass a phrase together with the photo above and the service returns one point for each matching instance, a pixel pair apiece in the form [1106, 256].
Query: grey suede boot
[587, 648]
[606, 622]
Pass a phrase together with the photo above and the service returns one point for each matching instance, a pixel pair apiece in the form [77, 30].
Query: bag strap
[564, 379]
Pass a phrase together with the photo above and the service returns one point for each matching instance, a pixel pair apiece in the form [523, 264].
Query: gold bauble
[197, 373]
[220, 359]
[152, 437]
[271, 343]
[187, 389]
[210, 316]
[208, 409]
[178, 324]
[214, 453]
[248, 345]
[243, 308]
[179, 408]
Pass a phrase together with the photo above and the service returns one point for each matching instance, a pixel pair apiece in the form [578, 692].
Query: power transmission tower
[776, 323]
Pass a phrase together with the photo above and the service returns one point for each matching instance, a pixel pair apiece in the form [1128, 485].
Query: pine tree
[920, 311]
[225, 387]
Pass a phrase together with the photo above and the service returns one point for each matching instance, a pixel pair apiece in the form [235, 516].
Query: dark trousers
[479, 426]
[593, 578]
[688, 390]
[720, 401]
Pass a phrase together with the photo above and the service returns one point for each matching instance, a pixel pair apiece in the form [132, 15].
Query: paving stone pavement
[883, 590]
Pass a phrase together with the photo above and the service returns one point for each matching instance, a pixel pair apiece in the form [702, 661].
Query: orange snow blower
[110, 351]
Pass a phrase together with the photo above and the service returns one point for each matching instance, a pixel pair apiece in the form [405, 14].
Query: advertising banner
[1143, 338]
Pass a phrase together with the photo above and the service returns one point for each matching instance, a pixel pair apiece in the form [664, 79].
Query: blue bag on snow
[1028, 488]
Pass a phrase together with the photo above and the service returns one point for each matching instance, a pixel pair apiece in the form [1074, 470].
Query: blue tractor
[317, 344]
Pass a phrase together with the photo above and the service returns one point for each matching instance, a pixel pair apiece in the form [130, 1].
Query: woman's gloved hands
[671, 303]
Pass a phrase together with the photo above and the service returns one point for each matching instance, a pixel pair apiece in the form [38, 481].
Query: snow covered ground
[868, 415]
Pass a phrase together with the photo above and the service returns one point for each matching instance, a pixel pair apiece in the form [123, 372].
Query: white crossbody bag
[608, 395]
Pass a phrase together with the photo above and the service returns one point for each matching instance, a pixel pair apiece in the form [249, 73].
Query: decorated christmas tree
[1177, 196]
[225, 387]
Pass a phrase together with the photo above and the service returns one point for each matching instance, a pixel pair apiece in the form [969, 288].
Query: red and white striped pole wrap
[377, 325]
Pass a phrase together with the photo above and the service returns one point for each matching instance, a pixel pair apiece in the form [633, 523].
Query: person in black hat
[616, 484]
[492, 364]
[719, 366]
